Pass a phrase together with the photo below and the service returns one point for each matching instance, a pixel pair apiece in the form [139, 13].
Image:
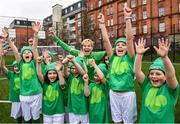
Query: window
[108, 11]
[79, 23]
[111, 22]
[111, 10]
[91, 6]
[161, 11]
[79, 5]
[108, 22]
[144, 2]
[133, 17]
[144, 14]
[99, 3]
[145, 29]
[71, 8]
[162, 27]
[133, 3]
[18, 22]
[65, 10]
[134, 30]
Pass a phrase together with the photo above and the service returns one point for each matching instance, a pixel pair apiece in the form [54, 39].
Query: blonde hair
[88, 41]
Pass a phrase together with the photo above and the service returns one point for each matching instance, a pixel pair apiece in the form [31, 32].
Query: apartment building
[150, 18]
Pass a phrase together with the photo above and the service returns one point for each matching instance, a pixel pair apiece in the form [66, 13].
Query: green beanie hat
[103, 68]
[157, 65]
[50, 67]
[122, 39]
[70, 64]
[14, 63]
[26, 48]
[51, 54]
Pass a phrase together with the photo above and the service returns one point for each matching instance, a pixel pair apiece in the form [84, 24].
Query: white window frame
[133, 3]
[71, 8]
[144, 14]
[79, 5]
[145, 29]
[133, 17]
[162, 27]
[161, 11]
[144, 2]
[99, 3]
[111, 22]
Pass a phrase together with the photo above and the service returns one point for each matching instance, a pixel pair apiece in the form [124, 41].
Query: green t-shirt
[52, 99]
[14, 90]
[121, 75]
[98, 107]
[158, 104]
[97, 56]
[77, 101]
[30, 84]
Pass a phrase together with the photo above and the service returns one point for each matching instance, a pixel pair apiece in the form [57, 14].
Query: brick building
[150, 18]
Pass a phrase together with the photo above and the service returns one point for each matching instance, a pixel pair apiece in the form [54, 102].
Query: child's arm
[63, 45]
[38, 69]
[140, 50]
[98, 71]
[60, 75]
[86, 89]
[106, 40]
[79, 68]
[65, 62]
[169, 69]
[4, 69]
[11, 44]
[36, 27]
[1, 44]
[129, 33]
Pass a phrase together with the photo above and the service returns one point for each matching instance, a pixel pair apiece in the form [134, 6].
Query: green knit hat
[157, 65]
[14, 63]
[51, 54]
[50, 67]
[103, 68]
[122, 39]
[26, 48]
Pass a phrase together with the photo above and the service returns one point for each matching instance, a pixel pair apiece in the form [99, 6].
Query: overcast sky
[34, 9]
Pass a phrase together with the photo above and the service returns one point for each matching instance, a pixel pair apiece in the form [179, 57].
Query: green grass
[5, 107]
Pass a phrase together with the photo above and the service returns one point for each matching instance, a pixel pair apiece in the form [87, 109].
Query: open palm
[163, 47]
[140, 47]
[36, 27]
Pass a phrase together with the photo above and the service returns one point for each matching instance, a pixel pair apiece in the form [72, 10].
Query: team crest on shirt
[119, 67]
[153, 101]
[27, 72]
[97, 95]
[16, 84]
[76, 87]
[51, 94]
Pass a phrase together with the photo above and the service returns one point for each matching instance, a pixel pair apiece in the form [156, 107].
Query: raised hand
[39, 59]
[36, 27]
[92, 62]
[163, 47]
[85, 78]
[127, 11]
[140, 47]
[101, 18]
[65, 61]
[58, 65]
[70, 58]
[5, 33]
